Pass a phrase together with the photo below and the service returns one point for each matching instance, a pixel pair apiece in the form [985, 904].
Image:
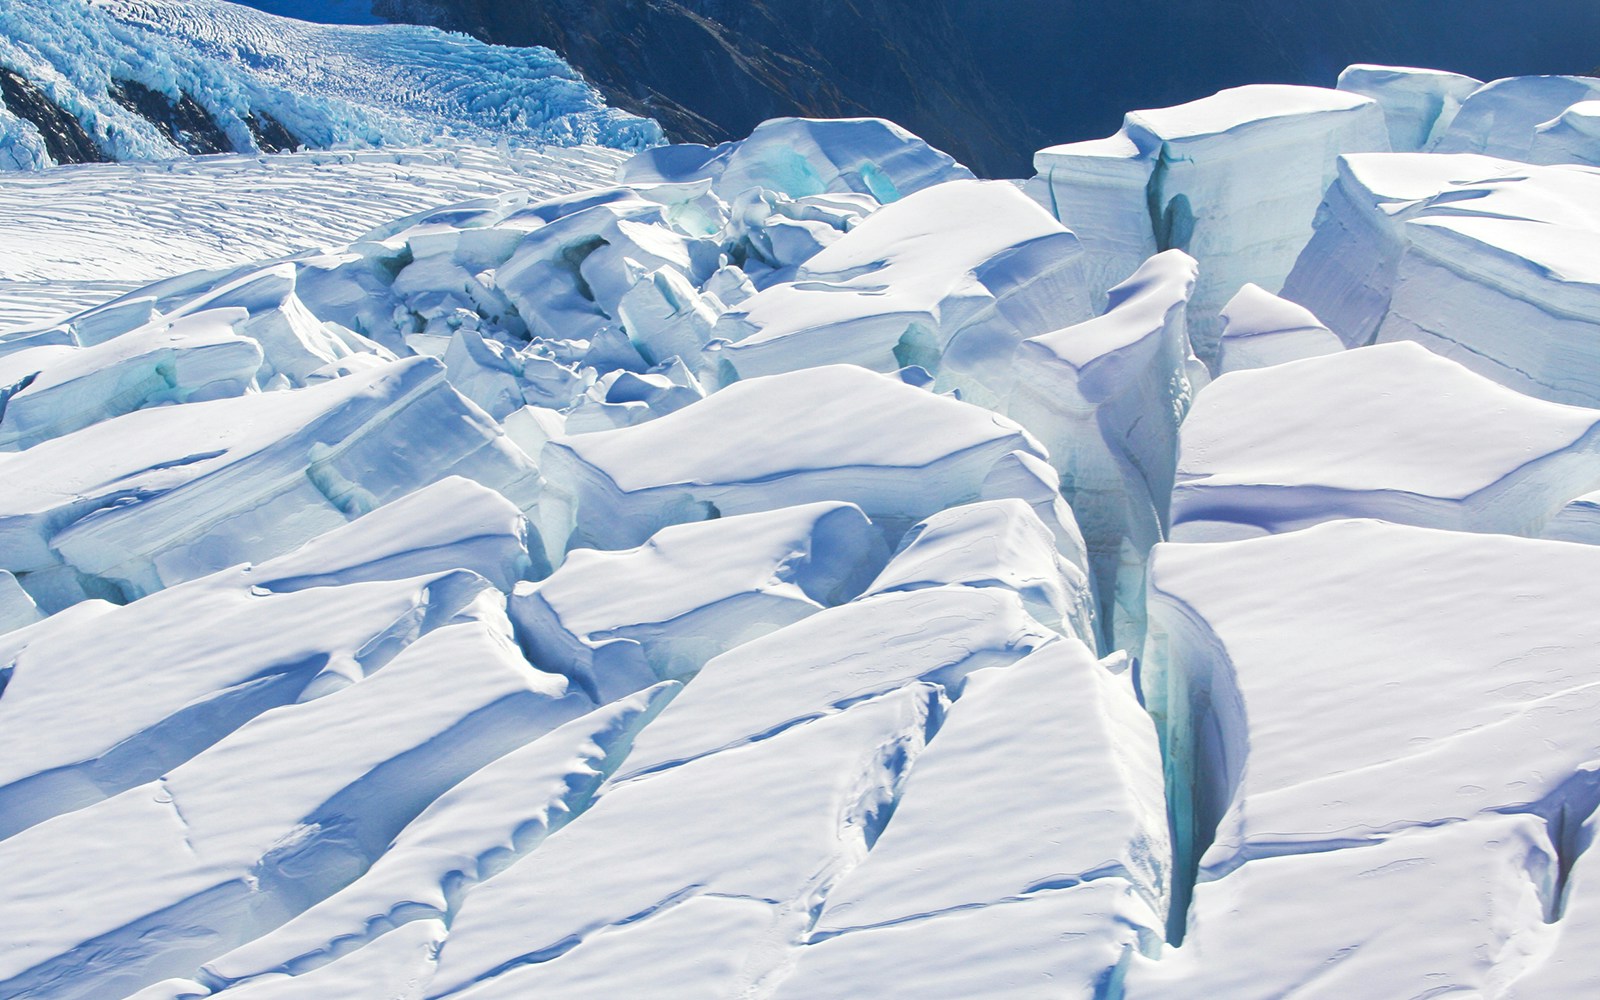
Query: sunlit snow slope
[801, 570]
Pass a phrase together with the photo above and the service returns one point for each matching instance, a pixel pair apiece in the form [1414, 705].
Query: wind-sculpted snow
[800, 570]
[1355, 434]
[1173, 178]
[897, 452]
[264, 83]
[1260, 329]
[1425, 725]
[1503, 118]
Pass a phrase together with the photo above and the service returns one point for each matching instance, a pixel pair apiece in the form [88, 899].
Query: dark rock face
[990, 81]
[184, 122]
[64, 138]
[270, 134]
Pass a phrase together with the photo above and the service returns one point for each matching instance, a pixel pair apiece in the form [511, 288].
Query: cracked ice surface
[457, 613]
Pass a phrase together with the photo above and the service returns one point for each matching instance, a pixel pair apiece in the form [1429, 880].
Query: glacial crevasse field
[798, 569]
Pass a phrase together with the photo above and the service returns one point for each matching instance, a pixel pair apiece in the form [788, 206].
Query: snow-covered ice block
[1285, 139]
[995, 543]
[279, 815]
[1504, 277]
[953, 277]
[1503, 117]
[1571, 137]
[568, 278]
[74, 733]
[1400, 677]
[1063, 943]
[818, 667]
[1434, 912]
[454, 523]
[16, 609]
[1259, 329]
[1106, 397]
[1098, 189]
[470, 833]
[51, 391]
[1045, 775]
[397, 964]
[615, 622]
[766, 827]
[163, 495]
[1025, 476]
[1347, 272]
[1418, 104]
[1391, 431]
[833, 433]
[801, 156]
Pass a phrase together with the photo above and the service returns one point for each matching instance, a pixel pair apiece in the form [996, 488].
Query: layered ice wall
[1173, 179]
[797, 569]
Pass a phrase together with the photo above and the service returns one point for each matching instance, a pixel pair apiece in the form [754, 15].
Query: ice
[1418, 104]
[1105, 397]
[1369, 921]
[1347, 273]
[277, 816]
[950, 279]
[1399, 679]
[1044, 776]
[1359, 433]
[1503, 117]
[1571, 137]
[765, 828]
[996, 543]
[1260, 329]
[159, 496]
[16, 610]
[615, 622]
[56, 390]
[1463, 254]
[292, 628]
[831, 433]
[798, 157]
[323, 85]
[1169, 180]
[477, 829]
[1577, 521]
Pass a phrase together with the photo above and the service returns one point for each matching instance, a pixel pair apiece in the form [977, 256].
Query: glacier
[796, 568]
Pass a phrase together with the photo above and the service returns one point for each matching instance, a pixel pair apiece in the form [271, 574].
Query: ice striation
[1171, 179]
[796, 568]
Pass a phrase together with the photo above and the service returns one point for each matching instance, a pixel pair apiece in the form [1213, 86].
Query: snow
[1418, 104]
[327, 84]
[1418, 699]
[762, 444]
[1105, 397]
[620, 621]
[77, 236]
[1259, 330]
[800, 157]
[1170, 180]
[948, 279]
[1356, 434]
[1503, 117]
[799, 569]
